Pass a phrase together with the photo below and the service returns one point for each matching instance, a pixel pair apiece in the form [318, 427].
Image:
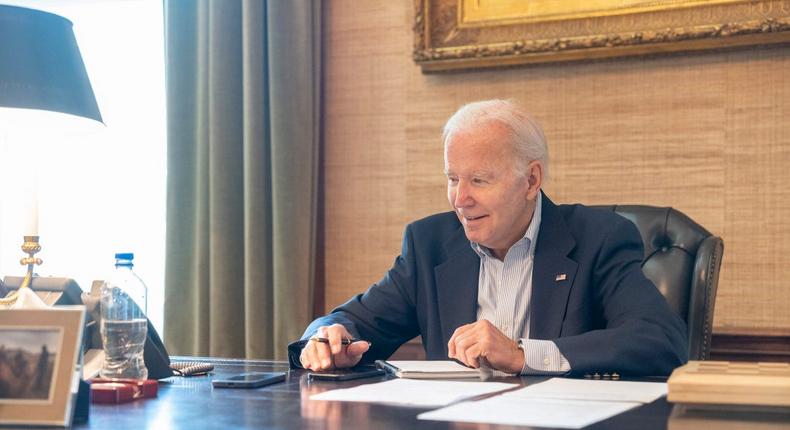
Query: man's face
[493, 202]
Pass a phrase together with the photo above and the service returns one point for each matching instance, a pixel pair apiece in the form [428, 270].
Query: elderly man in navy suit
[507, 280]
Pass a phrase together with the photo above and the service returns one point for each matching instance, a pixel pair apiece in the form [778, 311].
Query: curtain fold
[243, 97]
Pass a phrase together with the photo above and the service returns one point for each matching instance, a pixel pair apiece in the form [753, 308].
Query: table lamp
[40, 69]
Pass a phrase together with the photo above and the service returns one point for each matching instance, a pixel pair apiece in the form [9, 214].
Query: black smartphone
[249, 380]
[346, 374]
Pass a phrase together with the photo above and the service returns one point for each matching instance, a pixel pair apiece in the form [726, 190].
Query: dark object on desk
[683, 259]
[3, 289]
[191, 368]
[347, 374]
[52, 291]
[155, 355]
[114, 391]
[249, 380]
[82, 408]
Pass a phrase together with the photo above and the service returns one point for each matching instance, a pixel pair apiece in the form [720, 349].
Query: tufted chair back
[683, 260]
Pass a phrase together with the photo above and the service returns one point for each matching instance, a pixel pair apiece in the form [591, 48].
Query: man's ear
[534, 179]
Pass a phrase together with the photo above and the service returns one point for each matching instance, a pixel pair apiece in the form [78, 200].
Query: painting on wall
[464, 34]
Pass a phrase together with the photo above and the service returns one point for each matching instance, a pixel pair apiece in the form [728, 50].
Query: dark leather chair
[683, 260]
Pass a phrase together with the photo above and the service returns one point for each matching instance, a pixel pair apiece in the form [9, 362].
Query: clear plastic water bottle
[124, 325]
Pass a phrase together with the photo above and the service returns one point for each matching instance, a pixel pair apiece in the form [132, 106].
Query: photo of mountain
[27, 363]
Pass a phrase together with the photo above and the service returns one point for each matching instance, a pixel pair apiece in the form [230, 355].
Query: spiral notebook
[191, 368]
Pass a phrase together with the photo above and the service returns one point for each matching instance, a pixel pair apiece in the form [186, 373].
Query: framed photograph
[39, 355]
[463, 34]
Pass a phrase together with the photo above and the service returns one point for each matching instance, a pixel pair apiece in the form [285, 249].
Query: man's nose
[462, 196]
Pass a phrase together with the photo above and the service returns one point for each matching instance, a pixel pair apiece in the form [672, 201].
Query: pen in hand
[342, 341]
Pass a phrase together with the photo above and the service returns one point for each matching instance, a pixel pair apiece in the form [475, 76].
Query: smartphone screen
[347, 374]
[249, 380]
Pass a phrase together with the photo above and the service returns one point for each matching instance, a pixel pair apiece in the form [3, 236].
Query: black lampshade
[41, 66]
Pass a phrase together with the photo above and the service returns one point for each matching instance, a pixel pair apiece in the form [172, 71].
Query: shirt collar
[530, 236]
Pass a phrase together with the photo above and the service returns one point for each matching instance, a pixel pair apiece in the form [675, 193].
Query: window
[101, 190]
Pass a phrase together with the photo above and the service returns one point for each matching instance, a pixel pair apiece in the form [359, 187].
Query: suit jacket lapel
[552, 275]
[456, 285]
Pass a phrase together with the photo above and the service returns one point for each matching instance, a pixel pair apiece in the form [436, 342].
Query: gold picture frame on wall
[464, 34]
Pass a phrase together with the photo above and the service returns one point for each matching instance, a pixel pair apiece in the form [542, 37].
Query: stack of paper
[414, 392]
[506, 410]
[558, 402]
[596, 390]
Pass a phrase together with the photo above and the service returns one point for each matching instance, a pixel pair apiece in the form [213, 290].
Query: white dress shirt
[503, 295]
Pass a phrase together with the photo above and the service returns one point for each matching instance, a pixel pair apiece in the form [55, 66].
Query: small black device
[249, 380]
[347, 374]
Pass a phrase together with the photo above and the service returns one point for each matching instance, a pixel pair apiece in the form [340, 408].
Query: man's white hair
[528, 140]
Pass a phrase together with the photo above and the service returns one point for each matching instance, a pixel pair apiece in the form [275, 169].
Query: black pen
[342, 341]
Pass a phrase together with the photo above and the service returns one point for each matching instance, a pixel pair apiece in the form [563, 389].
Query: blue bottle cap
[124, 256]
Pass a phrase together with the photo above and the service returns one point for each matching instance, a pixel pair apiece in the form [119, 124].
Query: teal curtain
[243, 99]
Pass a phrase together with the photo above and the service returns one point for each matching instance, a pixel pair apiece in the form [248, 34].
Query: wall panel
[707, 133]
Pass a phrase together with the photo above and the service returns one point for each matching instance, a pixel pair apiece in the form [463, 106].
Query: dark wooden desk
[192, 403]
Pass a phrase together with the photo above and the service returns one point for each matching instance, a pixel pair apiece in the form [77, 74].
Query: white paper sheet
[510, 410]
[598, 390]
[413, 392]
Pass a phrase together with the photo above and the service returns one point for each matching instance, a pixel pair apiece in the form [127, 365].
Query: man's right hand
[333, 355]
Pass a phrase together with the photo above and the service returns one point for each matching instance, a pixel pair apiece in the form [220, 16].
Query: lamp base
[30, 246]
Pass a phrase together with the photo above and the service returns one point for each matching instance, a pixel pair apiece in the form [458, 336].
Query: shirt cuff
[542, 357]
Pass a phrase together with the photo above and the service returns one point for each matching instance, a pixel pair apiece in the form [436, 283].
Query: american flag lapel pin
[560, 277]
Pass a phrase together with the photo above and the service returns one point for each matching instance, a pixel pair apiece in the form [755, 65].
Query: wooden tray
[731, 383]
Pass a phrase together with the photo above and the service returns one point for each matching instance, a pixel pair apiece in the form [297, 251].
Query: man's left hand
[481, 341]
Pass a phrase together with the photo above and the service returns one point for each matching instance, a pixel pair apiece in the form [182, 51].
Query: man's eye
[452, 180]
[479, 181]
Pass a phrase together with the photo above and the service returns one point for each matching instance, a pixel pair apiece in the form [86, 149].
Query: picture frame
[39, 358]
[466, 34]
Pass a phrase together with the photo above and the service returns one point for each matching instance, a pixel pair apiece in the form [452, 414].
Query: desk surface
[192, 403]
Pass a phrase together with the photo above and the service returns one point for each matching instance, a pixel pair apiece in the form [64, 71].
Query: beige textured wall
[706, 133]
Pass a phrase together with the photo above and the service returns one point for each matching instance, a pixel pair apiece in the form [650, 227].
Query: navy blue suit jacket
[605, 315]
